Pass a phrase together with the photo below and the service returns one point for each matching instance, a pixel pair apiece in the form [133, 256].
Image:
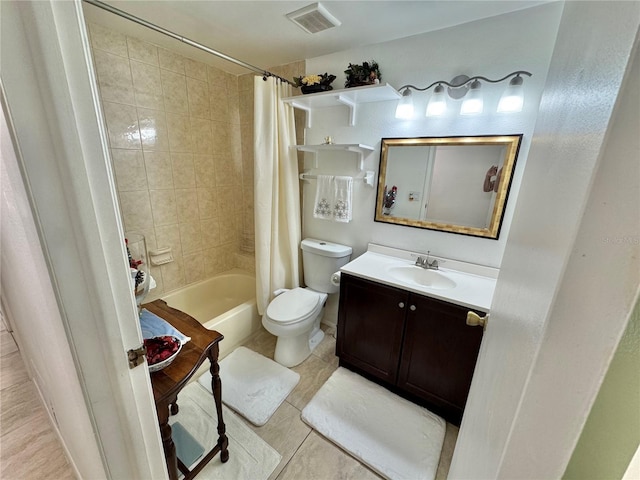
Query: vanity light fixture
[468, 88]
[404, 110]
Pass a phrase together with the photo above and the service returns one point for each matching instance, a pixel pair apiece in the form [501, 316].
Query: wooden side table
[168, 382]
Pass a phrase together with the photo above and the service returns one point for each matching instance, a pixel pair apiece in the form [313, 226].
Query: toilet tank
[320, 260]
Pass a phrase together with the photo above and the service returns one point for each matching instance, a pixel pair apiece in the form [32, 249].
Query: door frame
[52, 98]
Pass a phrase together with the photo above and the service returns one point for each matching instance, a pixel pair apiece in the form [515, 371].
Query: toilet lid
[294, 305]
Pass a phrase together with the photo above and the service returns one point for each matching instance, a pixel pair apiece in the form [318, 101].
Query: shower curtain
[276, 191]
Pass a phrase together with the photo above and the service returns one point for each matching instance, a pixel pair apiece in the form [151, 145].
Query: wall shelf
[358, 148]
[349, 97]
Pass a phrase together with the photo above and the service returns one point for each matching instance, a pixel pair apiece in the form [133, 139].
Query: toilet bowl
[294, 317]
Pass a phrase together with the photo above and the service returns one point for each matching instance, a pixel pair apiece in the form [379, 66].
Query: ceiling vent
[313, 18]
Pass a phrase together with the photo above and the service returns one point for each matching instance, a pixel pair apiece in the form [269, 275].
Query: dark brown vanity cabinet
[417, 346]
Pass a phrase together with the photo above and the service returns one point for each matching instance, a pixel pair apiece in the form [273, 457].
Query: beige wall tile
[216, 76]
[227, 255]
[198, 96]
[171, 61]
[195, 69]
[114, 78]
[108, 40]
[142, 51]
[163, 206]
[136, 210]
[210, 233]
[183, 171]
[187, 205]
[227, 173]
[194, 268]
[154, 134]
[190, 238]
[212, 261]
[228, 200]
[169, 236]
[207, 203]
[246, 262]
[174, 88]
[130, 172]
[173, 274]
[180, 134]
[159, 171]
[204, 171]
[147, 85]
[228, 228]
[219, 101]
[122, 125]
[202, 135]
[221, 141]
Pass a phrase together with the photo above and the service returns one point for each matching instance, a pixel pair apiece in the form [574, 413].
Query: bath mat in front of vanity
[396, 438]
[252, 384]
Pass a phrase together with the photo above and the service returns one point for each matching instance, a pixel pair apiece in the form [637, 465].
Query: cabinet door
[439, 355]
[370, 325]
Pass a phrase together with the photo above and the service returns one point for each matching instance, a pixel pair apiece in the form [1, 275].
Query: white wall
[568, 278]
[28, 295]
[492, 47]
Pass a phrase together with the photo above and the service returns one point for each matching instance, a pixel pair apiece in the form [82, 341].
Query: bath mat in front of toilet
[394, 437]
[252, 384]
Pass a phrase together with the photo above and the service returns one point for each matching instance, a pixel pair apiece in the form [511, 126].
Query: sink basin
[421, 276]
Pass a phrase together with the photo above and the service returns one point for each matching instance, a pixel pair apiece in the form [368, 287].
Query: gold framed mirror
[451, 184]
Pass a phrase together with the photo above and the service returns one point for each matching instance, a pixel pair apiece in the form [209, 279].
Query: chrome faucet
[425, 263]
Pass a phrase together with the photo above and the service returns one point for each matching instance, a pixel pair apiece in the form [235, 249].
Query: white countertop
[474, 287]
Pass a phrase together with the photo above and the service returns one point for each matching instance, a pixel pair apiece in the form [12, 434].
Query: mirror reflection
[452, 184]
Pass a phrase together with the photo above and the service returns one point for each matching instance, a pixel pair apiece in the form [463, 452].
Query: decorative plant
[324, 79]
[389, 198]
[366, 74]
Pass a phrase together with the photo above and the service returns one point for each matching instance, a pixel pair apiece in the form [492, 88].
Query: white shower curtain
[276, 191]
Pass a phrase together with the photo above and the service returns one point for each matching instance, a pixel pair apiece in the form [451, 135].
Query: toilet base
[293, 351]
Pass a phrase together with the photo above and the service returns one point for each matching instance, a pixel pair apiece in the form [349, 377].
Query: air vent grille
[313, 18]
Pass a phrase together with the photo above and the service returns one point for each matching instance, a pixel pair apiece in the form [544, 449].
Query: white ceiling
[259, 33]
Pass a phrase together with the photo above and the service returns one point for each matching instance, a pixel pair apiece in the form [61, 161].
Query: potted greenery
[315, 83]
[366, 74]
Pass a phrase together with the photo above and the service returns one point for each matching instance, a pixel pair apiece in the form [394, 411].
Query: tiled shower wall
[181, 140]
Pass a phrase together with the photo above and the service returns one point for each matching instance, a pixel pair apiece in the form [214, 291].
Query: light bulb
[512, 99]
[404, 110]
[437, 103]
[473, 103]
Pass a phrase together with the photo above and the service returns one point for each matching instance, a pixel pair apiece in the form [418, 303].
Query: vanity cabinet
[417, 346]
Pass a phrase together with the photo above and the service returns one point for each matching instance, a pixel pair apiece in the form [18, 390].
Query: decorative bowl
[157, 348]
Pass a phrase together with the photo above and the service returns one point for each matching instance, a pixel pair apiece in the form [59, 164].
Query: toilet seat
[294, 306]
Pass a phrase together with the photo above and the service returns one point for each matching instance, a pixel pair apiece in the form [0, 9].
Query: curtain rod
[164, 31]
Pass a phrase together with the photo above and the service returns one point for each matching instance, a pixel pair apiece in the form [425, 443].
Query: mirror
[452, 184]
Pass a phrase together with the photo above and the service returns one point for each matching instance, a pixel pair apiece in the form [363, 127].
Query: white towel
[342, 206]
[323, 205]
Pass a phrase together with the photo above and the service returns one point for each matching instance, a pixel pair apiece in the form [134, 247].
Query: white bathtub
[225, 303]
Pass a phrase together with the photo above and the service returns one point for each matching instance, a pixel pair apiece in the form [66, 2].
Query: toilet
[294, 315]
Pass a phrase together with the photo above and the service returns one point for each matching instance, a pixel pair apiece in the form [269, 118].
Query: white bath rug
[252, 384]
[250, 457]
[393, 436]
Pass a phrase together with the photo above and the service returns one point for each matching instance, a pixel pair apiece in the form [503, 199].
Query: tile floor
[305, 453]
[30, 449]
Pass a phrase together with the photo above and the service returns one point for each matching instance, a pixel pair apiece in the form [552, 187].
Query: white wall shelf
[349, 97]
[358, 148]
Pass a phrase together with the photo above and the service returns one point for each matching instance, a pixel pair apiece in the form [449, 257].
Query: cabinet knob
[475, 320]
[412, 308]
[401, 304]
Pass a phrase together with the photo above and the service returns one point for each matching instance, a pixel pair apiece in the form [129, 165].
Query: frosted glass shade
[473, 104]
[404, 110]
[512, 99]
[437, 103]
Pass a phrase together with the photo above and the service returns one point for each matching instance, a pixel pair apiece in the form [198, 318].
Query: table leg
[216, 386]
[167, 444]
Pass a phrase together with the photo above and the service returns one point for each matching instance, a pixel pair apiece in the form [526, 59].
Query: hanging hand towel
[324, 198]
[343, 188]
